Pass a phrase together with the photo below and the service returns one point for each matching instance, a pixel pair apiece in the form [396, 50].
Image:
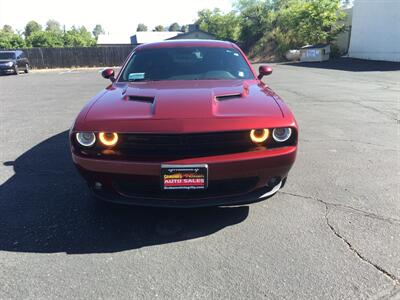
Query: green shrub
[10, 40]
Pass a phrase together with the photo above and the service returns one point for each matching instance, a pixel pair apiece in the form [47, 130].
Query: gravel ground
[333, 232]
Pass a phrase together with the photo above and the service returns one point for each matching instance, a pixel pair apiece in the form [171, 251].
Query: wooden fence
[47, 58]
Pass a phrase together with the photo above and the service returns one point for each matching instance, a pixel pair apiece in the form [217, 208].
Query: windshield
[186, 63]
[7, 55]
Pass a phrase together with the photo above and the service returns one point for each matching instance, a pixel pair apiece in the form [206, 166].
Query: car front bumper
[233, 179]
[7, 70]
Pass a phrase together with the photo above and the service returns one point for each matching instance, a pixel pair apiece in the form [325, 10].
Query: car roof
[10, 51]
[187, 43]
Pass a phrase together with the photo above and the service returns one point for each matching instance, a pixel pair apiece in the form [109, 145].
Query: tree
[97, 30]
[78, 37]
[53, 26]
[279, 25]
[256, 20]
[310, 22]
[141, 27]
[32, 27]
[45, 39]
[185, 28]
[174, 27]
[8, 29]
[10, 40]
[224, 26]
[158, 28]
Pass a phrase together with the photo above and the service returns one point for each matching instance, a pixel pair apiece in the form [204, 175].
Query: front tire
[16, 70]
[26, 69]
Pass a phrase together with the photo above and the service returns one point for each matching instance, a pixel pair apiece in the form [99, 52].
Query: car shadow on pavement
[350, 64]
[45, 207]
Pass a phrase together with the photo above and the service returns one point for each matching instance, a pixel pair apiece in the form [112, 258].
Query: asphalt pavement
[333, 232]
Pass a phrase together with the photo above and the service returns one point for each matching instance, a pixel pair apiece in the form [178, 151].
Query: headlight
[9, 64]
[108, 138]
[281, 134]
[259, 135]
[86, 139]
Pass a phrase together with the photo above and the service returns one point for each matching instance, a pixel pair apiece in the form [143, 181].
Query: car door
[19, 59]
[22, 61]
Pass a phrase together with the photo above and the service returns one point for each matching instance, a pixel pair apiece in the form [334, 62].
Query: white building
[113, 40]
[375, 30]
[144, 37]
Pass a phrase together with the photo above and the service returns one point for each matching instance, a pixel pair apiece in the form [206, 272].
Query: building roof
[143, 37]
[107, 39]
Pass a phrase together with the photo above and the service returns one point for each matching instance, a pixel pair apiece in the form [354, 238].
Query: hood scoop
[228, 97]
[146, 99]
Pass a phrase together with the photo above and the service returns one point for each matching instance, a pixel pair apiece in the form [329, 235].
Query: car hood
[6, 60]
[127, 106]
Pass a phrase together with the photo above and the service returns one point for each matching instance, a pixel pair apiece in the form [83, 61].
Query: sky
[118, 17]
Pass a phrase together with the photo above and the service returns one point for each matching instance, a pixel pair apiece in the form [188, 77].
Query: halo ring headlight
[108, 138]
[281, 134]
[86, 139]
[259, 135]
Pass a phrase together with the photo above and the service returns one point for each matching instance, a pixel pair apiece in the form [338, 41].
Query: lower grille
[149, 187]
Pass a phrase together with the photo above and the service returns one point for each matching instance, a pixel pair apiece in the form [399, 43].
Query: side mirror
[108, 74]
[264, 71]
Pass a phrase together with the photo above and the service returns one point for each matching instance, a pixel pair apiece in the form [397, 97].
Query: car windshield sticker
[136, 76]
[241, 73]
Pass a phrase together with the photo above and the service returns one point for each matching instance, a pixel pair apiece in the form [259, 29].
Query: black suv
[13, 62]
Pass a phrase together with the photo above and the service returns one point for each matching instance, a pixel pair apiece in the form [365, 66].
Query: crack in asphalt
[390, 116]
[350, 246]
[355, 251]
[371, 108]
[343, 206]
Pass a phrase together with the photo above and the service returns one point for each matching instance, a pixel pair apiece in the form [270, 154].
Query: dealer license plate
[184, 177]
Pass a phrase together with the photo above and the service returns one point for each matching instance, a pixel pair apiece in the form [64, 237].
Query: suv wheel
[16, 70]
[26, 68]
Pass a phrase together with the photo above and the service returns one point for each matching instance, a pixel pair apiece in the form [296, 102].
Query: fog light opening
[98, 185]
[273, 181]
[259, 135]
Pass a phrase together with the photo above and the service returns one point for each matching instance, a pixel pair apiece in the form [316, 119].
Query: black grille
[184, 145]
[149, 187]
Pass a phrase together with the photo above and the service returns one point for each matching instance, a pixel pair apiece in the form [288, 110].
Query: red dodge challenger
[185, 124]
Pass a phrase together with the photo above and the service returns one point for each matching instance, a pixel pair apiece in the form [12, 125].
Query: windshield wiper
[144, 80]
[136, 80]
